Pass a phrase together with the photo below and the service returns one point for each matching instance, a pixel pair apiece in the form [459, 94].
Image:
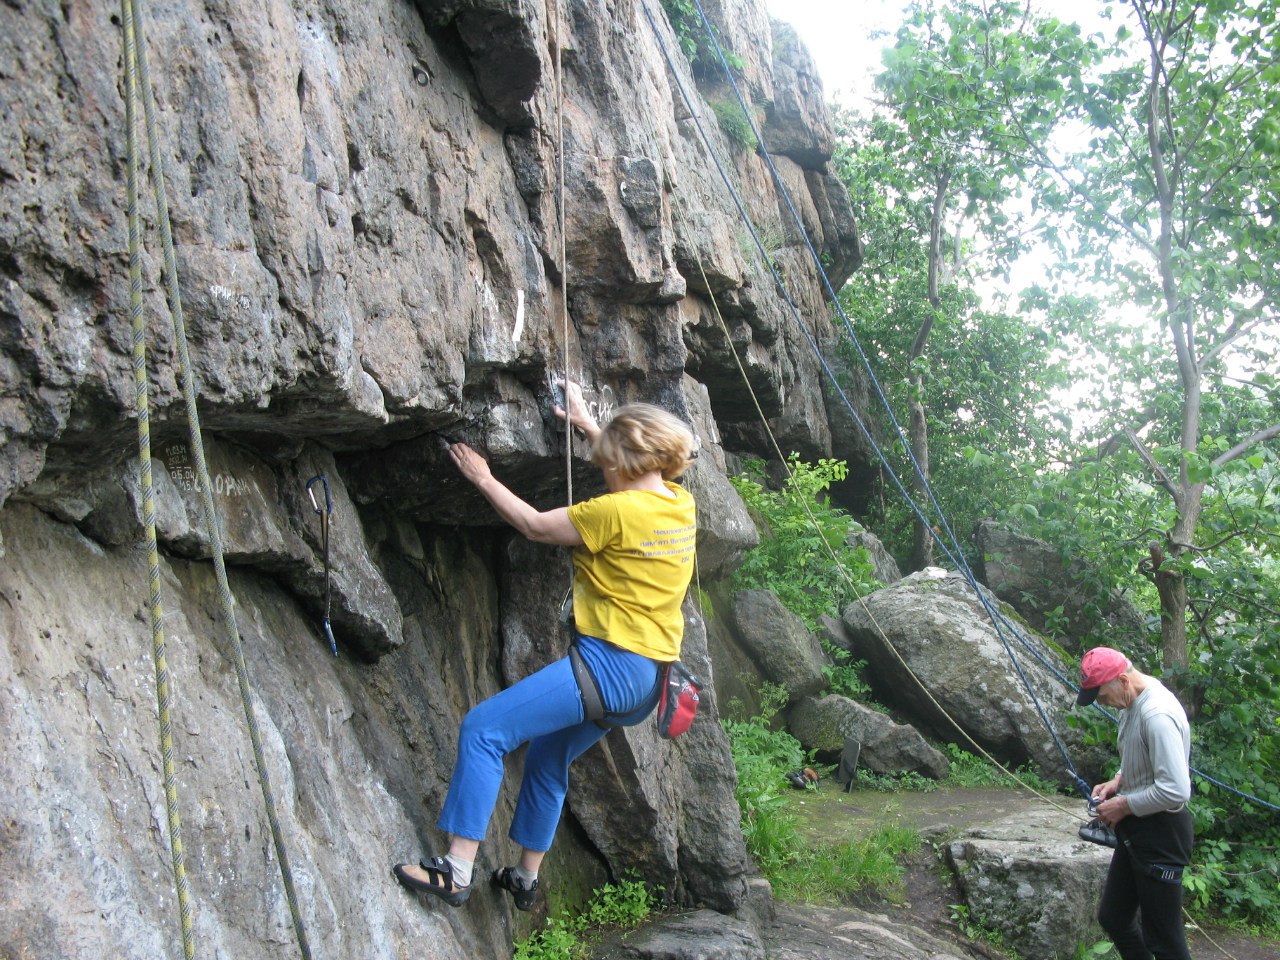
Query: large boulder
[934, 656]
[782, 648]
[793, 933]
[1036, 580]
[886, 747]
[1033, 881]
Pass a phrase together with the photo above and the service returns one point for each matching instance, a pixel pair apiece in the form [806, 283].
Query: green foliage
[735, 124]
[762, 757]
[557, 940]
[907, 782]
[969, 770]
[965, 921]
[829, 875]
[1102, 950]
[623, 905]
[799, 534]
[844, 674]
[971, 94]
[694, 42]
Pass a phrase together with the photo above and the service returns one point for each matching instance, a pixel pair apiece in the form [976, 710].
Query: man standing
[1146, 804]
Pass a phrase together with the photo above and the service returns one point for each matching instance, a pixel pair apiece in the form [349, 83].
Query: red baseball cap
[1100, 665]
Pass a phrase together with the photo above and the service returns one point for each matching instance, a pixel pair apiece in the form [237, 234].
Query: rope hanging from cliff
[164, 695]
[136, 65]
[564, 254]
[998, 620]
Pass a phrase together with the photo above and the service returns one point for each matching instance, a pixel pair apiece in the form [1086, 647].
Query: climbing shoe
[803, 779]
[439, 881]
[1095, 831]
[523, 896]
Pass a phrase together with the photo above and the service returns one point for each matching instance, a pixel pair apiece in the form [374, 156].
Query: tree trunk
[922, 535]
[918, 428]
[1172, 589]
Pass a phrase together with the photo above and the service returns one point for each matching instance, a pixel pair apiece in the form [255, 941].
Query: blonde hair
[641, 438]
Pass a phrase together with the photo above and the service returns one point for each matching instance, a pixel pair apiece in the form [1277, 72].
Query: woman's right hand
[578, 414]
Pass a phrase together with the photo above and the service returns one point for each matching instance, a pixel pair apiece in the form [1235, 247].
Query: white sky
[840, 35]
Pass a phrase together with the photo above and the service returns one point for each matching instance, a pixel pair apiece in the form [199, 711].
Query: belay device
[1095, 831]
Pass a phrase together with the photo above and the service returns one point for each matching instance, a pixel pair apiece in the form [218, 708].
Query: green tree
[968, 91]
[1175, 191]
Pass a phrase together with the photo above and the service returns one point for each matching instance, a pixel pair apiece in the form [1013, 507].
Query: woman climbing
[633, 551]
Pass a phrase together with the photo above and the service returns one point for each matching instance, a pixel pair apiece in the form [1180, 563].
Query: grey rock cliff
[364, 198]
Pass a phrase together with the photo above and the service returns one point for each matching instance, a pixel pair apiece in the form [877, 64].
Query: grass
[623, 905]
[967, 770]
[735, 124]
[830, 875]
[799, 870]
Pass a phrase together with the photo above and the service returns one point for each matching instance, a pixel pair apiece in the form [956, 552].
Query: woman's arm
[550, 526]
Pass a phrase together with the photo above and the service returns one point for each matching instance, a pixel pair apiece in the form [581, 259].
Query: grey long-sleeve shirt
[1155, 752]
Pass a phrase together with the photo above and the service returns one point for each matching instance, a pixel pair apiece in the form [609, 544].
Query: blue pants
[544, 710]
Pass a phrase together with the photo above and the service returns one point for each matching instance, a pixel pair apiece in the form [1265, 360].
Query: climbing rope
[842, 571]
[136, 59]
[564, 253]
[999, 621]
[164, 695]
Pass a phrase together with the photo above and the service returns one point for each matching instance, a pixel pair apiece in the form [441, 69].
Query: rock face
[1033, 578]
[780, 644]
[792, 934]
[1034, 882]
[934, 654]
[886, 747]
[365, 204]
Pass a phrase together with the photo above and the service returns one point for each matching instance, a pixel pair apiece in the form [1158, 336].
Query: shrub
[624, 904]
[735, 125]
[800, 534]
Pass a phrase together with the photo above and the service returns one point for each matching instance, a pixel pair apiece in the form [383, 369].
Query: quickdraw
[324, 513]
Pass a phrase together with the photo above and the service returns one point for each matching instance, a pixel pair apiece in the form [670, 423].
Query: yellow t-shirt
[631, 576]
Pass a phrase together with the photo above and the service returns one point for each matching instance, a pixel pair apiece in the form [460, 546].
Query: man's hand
[1114, 810]
[1105, 791]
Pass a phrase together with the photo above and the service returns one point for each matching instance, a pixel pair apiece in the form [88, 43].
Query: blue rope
[786, 295]
[956, 555]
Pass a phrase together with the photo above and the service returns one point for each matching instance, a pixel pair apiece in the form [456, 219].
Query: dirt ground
[829, 815]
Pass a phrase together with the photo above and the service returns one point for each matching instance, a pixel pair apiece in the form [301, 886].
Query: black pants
[1142, 914]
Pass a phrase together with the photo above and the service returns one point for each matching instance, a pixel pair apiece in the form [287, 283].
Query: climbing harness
[325, 513]
[138, 87]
